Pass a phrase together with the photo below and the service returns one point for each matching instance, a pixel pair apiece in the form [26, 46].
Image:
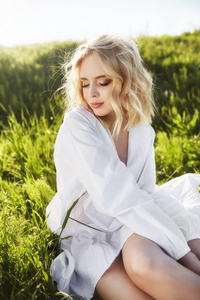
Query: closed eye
[85, 85]
[106, 83]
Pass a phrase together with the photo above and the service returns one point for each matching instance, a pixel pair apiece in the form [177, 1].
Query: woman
[127, 238]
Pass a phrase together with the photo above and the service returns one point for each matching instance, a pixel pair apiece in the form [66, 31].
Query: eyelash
[101, 84]
[85, 86]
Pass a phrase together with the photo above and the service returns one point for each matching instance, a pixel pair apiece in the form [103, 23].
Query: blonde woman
[140, 242]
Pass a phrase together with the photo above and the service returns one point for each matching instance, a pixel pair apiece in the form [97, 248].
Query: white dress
[120, 200]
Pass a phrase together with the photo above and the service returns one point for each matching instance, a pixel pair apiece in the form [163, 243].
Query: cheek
[84, 93]
[109, 92]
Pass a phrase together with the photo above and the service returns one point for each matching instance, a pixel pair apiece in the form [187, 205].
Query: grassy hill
[30, 75]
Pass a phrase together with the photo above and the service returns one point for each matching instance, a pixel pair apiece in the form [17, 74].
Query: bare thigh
[157, 274]
[116, 285]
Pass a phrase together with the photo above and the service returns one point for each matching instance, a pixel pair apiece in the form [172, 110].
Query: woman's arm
[112, 187]
[188, 222]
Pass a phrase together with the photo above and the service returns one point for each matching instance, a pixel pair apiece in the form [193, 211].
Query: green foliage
[25, 251]
[26, 147]
[27, 179]
[29, 75]
[176, 155]
[175, 63]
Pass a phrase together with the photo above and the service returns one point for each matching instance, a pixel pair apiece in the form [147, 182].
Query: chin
[99, 114]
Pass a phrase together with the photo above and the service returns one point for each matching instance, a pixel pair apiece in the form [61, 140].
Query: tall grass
[178, 153]
[27, 180]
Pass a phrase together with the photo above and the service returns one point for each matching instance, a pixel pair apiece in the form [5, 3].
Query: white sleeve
[188, 222]
[112, 187]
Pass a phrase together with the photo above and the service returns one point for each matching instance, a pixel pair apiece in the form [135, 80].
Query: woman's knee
[140, 257]
[141, 265]
[116, 284]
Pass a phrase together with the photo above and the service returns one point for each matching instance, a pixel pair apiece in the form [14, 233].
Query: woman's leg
[191, 262]
[195, 247]
[116, 285]
[192, 259]
[156, 273]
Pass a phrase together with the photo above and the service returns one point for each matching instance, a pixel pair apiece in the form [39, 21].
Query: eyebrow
[100, 76]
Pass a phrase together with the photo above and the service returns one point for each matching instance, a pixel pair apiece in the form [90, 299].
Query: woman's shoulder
[79, 119]
[145, 131]
[79, 113]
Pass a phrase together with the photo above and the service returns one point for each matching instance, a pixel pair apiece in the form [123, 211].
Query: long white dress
[120, 200]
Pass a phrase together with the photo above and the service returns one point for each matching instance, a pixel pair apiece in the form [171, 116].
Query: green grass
[27, 180]
[176, 155]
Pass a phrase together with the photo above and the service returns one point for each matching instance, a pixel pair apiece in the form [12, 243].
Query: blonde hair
[132, 84]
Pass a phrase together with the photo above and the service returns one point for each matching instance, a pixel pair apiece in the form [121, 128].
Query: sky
[25, 22]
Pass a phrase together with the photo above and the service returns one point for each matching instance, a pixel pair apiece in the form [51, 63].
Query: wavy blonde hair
[132, 84]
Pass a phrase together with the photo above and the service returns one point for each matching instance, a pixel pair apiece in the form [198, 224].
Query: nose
[93, 92]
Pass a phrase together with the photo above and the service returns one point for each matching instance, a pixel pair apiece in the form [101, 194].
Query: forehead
[91, 67]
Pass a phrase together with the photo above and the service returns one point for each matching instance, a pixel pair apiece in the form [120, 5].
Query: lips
[96, 104]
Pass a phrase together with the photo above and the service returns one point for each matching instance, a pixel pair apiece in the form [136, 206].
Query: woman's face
[97, 87]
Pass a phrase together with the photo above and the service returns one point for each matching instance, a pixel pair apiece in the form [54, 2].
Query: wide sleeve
[189, 223]
[112, 187]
